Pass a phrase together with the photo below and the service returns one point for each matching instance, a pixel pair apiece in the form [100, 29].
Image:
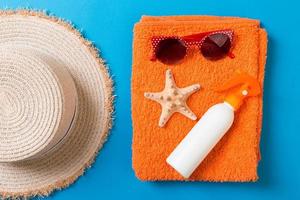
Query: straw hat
[55, 104]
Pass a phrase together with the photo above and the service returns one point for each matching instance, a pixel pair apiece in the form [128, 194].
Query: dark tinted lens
[216, 46]
[170, 51]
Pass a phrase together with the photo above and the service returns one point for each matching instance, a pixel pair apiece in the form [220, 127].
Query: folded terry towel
[236, 156]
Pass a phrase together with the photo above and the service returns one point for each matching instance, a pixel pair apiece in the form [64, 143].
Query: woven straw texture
[38, 99]
[37, 104]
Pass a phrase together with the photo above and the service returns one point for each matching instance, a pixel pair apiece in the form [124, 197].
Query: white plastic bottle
[212, 126]
[201, 139]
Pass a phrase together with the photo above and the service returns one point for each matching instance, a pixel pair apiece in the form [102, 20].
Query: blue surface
[109, 24]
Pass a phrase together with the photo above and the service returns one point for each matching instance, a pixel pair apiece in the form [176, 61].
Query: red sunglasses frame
[191, 40]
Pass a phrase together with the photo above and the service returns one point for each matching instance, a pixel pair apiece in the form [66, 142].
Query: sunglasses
[213, 45]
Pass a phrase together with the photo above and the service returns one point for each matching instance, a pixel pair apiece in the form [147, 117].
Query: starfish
[173, 99]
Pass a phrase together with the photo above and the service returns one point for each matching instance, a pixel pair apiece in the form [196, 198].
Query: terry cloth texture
[236, 156]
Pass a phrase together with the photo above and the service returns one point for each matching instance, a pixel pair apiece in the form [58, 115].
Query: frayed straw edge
[109, 89]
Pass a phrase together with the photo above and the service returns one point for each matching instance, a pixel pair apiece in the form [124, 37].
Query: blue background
[109, 23]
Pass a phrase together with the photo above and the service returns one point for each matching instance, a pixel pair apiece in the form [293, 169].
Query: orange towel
[236, 156]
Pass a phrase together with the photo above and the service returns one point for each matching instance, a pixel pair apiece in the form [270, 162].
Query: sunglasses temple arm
[153, 57]
[230, 55]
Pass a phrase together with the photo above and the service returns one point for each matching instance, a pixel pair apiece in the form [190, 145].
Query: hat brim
[58, 39]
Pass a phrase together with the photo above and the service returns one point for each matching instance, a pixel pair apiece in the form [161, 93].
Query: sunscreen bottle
[212, 126]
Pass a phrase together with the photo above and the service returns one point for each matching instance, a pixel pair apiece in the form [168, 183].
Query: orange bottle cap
[242, 86]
